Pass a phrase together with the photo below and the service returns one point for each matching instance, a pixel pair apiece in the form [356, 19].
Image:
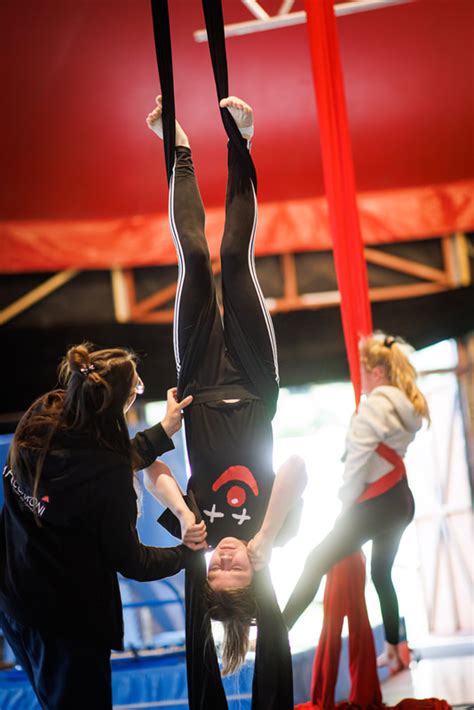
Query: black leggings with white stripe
[210, 352]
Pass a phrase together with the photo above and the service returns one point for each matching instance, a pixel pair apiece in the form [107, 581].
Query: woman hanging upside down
[230, 367]
[377, 502]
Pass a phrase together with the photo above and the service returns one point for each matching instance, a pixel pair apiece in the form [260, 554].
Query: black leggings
[241, 348]
[383, 520]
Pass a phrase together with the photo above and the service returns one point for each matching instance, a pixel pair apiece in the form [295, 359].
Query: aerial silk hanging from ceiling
[339, 180]
[344, 594]
[345, 587]
[349, 575]
[272, 685]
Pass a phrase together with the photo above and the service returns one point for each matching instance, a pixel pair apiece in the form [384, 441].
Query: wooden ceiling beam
[36, 294]
[432, 280]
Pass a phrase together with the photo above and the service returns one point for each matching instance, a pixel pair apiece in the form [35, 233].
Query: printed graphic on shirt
[31, 502]
[236, 495]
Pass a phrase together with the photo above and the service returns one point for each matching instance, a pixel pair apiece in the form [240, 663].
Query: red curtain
[344, 595]
[339, 179]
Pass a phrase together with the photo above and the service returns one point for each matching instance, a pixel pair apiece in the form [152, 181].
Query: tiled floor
[450, 679]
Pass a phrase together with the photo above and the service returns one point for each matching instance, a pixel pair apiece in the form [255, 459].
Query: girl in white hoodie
[377, 502]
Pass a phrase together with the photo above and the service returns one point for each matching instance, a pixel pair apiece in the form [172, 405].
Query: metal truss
[263, 22]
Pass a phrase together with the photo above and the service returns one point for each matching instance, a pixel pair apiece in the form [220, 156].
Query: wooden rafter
[455, 273]
[433, 280]
[36, 295]
[144, 311]
[121, 296]
[405, 266]
[290, 281]
[456, 259]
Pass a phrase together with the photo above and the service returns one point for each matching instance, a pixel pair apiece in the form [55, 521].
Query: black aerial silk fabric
[272, 687]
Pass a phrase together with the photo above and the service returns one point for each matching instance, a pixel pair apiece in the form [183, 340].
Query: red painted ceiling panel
[79, 77]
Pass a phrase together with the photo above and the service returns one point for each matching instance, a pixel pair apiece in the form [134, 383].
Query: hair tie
[87, 370]
[389, 341]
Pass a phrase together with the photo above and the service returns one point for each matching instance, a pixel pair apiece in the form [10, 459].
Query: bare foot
[155, 123]
[241, 113]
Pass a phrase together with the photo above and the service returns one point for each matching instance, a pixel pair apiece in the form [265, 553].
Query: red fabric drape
[344, 595]
[339, 179]
[340, 601]
[407, 704]
[390, 479]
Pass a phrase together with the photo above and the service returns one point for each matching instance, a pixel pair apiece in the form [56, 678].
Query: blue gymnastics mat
[152, 680]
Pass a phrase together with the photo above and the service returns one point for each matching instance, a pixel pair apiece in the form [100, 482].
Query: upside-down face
[229, 566]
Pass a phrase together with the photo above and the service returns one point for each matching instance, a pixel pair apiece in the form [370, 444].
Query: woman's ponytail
[387, 352]
[96, 386]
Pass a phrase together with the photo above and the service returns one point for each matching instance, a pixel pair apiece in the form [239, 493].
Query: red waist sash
[394, 476]
[344, 596]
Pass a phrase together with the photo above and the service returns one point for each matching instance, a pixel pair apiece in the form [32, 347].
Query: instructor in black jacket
[69, 525]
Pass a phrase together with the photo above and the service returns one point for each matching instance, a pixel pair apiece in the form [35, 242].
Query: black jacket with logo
[61, 576]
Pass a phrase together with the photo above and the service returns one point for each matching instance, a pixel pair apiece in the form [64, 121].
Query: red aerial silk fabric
[339, 180]
[390, 479]
[340, 600]
[407, 704]
[345, 585]
[344, 596]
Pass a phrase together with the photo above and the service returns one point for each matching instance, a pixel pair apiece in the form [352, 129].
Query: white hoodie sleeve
[367, 429]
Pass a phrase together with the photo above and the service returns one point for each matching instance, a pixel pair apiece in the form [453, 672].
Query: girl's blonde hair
[380, 350]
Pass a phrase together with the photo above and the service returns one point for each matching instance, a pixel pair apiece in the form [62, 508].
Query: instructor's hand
[193, 534]
[171, 422]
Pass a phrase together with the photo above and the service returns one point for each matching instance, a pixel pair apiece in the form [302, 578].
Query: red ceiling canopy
[83, 180]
